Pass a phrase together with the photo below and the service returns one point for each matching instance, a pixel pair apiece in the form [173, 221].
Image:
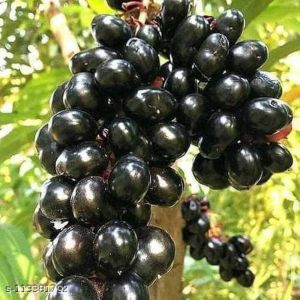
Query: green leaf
[251, 8]
[16, 256]
[282, 51]
[100, 7]
[12, 143]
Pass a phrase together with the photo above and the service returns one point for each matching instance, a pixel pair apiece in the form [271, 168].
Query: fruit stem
[144, 12]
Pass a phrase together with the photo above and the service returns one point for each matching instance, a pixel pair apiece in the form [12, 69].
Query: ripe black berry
[150, 34]
[56, 100]
[115, 247]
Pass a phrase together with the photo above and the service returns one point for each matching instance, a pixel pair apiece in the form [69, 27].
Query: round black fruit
[73, 288]
[150, 105]
[111, 31]
[191, 209]
[155, 254]
[170, 140]
[266, 115]
[116, 77]
[115, 247]
[129, 181]
[193, 111]
[210, 172]
[48, 266]
[45, 226]
[150, 34]
[138, 215]
[89, 60]
[125, 288]
[187, 39]
[244, 166]
[228, 91]
[264, 84]
[55, 197]
[166, 69]
[56, 99]
[143, 57]
[72, 126]
[247, 56]
[72, 253]
[82, 160]
[276, 158]
[124, 136]
[83, 94]
[88, 200]
[166, 187]
[246, 278]
[231, 23]
[211, 56]
[180, 83]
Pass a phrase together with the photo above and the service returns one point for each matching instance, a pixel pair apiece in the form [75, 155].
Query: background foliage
[31, 66]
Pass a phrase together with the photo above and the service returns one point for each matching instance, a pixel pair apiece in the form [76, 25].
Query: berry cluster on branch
[120, 123]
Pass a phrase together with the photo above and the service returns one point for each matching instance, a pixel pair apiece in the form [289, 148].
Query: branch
[60, 29]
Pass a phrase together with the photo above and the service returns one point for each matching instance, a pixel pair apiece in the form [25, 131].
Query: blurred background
[31, 66]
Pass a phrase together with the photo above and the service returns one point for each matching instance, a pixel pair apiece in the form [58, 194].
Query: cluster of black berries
[123, 119]
[230, 256]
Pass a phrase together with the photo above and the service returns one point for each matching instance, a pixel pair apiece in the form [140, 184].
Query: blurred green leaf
[282, 51]
[100, 7]
[17, 265]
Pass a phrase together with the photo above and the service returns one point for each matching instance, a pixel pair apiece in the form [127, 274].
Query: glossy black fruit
[195, 241]
[151, 105]
[129, 181]
[246, 278]
[228, 91]
[187, 39]
[276, 158]
[72, 253]
[210, 172]
[125, 288]
[56, 99]
[166, 69]
[247, 56]
[266, 115]
[264, 84]
[45, 226]
[82, 160]
[223, 129]
[169, 140]
[72, 126]
[241, 263]
[213, 251]
[197, 253]
[143, 57]
[115, 247]
[191, 209]
[230, 255]
[244, 166]
[172, 13]
[226, 274]
[231, 23]
[48, 157]
[209, 148]
[166, 187]
[199, 226]
[180, 83]
[116, 77]
[55, 197]
[155, 254]
[138, 215]
[241, 243]
[150, 34]
[42, 138]
[82, 93]
[111, 31]
[123, 136]
[265, 177]
[89, 60]
[48, 266]
[73, 288]
[88, 200]
[211, 56]
[193, 111]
